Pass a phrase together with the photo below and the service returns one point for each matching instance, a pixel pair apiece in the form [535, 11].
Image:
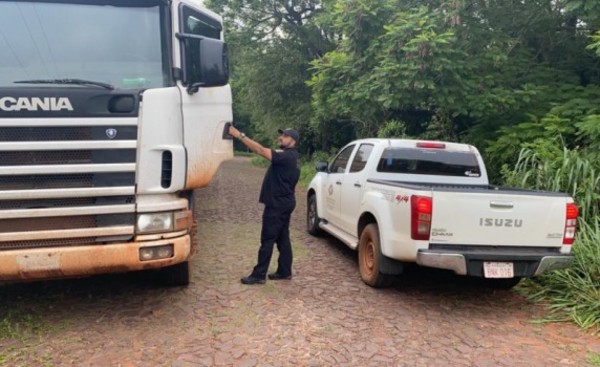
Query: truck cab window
[194, 25]
[340, 162]
[199, 24]
[72, 40]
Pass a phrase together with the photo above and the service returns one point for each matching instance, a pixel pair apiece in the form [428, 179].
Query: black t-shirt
[280, 181]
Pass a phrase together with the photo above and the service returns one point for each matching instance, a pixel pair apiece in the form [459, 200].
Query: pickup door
[343, 186]
[498, 218]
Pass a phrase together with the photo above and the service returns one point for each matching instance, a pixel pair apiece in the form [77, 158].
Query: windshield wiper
[66, 81]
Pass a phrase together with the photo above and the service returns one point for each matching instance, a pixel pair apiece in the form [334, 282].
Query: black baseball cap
[291, 133]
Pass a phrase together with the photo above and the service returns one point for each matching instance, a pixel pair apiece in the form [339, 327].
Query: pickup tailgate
[498, 218]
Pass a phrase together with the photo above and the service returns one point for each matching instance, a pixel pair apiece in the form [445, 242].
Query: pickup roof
[401, 201]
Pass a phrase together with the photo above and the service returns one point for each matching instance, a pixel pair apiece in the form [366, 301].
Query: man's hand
[251, 144]
[234, 132]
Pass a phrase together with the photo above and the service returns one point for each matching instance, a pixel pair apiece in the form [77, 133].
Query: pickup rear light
[431, 145]
[570, 224]
[421, 209]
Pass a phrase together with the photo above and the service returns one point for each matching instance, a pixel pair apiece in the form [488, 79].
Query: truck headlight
[155, 222]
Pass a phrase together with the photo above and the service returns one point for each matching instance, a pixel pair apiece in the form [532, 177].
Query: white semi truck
[111, 113]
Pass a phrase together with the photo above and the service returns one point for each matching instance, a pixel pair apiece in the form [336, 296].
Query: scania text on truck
[111, 113]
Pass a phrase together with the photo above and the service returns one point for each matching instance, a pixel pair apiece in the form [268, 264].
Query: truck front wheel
[176, 275]
[370, 257]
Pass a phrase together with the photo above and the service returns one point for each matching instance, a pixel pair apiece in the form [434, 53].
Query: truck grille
[65, 133]
[66, 157]
[67, 182]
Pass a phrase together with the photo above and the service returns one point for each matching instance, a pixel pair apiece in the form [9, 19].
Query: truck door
[332, 189]
[206, 111]
[352, 188]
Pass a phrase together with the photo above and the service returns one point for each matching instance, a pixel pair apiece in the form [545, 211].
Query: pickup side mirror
[321, 166]
[205, 62]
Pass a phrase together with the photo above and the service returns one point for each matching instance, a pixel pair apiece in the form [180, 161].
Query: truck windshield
[118, 43]
[429, 162]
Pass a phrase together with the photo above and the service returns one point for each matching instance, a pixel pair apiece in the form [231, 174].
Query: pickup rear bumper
[468, 263]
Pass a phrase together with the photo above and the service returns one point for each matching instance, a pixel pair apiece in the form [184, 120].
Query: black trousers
[275, 230]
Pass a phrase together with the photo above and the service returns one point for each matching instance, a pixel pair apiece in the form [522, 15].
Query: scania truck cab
[111, 113]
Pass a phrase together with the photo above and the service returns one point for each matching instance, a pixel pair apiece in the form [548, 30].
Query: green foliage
[17, 324]
[308, 171]
[272, 44]
[595, 45]
[392, 129]
[574, 293]
[593, 359]
[390, 59]
[571, 120]
[482, 63]
[570, 172]
[259, 161]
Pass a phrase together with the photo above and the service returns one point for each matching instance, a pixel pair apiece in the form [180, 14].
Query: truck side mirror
[205, 62]
[321, 166]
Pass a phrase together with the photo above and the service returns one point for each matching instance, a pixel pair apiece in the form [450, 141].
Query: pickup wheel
[312, 217]
[369, 258]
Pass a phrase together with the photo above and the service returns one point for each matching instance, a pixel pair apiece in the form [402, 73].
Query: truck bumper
[472, 264]
[79, 261]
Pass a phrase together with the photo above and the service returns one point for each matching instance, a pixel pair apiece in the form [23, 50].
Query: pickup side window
[360, 159]
[438, 162]
[340, 162]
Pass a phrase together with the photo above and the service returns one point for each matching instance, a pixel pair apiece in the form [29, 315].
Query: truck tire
[370, 257]
[312, 217]
[176, 275]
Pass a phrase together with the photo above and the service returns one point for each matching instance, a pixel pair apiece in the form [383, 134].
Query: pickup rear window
[429, 162]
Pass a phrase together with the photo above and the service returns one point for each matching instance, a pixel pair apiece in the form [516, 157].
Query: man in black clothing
[278, 195]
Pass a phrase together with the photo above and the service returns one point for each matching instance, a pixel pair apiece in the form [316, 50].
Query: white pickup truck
[430, 203]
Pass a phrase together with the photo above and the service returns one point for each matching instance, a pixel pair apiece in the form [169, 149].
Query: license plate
[498, 270]
[37, 262]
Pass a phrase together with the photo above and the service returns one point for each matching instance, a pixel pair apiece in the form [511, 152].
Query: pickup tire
[176, 275]
[370, 258]
[312, 217]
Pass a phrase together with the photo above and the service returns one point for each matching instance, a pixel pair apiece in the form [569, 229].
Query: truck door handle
[338, 182]
[502, 204]
[356, 184]
[226, 135]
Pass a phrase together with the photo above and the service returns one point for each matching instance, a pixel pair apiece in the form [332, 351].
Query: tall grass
[572, 293]
[571, 173]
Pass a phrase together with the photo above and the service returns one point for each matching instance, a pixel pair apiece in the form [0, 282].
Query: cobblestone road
[325, 316]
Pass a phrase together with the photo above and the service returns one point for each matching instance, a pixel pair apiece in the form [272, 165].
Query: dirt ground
[324, 316]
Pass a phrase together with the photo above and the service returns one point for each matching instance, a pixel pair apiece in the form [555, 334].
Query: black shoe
[252, 280]
[276, 276]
